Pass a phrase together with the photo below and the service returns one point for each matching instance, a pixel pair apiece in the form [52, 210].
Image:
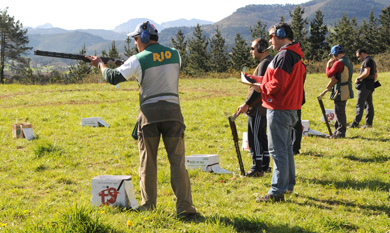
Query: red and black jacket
[282, 84]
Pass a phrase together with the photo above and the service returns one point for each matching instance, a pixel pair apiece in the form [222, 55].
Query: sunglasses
[271, 35]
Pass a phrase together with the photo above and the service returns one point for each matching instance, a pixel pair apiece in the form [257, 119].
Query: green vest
[343, 89]
[160, 74]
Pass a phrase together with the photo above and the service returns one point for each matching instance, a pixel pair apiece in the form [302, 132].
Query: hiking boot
[142, 208]
[251, 173]
[288, 191]
[336, 136]
[188, 213]
[271, 198]
[354, 126]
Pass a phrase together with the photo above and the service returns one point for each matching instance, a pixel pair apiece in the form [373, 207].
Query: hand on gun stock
[94, 60]
[241, 109]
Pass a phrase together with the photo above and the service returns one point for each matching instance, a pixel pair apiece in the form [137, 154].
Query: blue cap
[146, 26]
[335, 50]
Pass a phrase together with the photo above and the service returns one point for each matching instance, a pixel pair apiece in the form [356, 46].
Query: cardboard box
[94, 122]
[209, 163]
[113, 190]
[23, 130]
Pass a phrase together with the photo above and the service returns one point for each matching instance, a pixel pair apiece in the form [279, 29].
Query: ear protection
[261, 45]
[145, 35]
[280, 33]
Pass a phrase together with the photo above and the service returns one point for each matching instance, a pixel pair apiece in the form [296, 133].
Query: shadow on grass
[372, 159]
[334, 204]
[254, 223]
[371, 139]
[373, 185]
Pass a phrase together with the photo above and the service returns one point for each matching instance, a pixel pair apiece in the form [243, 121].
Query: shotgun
[235, 139]
[324, 112]
[106, 60]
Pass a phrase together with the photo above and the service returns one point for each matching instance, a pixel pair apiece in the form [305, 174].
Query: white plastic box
[93, 121]
[330, 115]
[113, 190]
[245, 143]
[206, 162]
[305, 127]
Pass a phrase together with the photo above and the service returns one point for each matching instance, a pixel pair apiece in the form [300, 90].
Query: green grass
[342, 185]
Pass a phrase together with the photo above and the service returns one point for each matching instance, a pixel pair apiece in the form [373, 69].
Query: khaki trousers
[148, 141]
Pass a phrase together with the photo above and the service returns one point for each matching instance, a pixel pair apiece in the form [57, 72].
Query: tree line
[202, 55]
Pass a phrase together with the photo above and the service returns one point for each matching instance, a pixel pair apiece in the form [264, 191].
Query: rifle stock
[106, 60]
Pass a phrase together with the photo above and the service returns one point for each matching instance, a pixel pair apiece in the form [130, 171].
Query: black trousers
[364, 102]
[258, 142]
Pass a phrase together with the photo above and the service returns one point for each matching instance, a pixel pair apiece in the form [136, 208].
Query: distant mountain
[48, 25]
[47, 37]
[130, 25]
[185, 23]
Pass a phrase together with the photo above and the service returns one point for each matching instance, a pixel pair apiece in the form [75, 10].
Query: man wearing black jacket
[365, 85]
[257, 120]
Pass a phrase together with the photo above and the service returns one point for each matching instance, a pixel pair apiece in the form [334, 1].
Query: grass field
[342, 185]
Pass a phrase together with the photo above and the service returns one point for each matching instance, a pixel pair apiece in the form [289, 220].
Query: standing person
[365, 85]
[339, 69]
[257, 120]
[282, 94]
[157, 70]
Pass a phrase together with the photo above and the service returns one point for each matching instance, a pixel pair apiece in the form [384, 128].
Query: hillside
[333, 10]
[240, 21]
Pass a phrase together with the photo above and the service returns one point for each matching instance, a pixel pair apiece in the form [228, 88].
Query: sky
[84, 14]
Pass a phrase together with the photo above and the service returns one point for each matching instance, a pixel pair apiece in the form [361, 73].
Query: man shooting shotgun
[156, 68]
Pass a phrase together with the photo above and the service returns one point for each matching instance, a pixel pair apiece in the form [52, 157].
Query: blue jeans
[280, 126]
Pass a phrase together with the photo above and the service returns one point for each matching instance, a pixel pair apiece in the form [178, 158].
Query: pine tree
[128, 51]
[317, 47]
[198, 56]
[384, 29]
[181, 45]
[298, 25]
[240, 54]
[368, 34]
[113, 52]
[13, 41]
[258, 31]
[219, 61]
[79, 71]
[345, 34]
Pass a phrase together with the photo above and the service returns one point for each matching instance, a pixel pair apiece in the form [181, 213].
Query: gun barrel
[106, 60]
[61, 55]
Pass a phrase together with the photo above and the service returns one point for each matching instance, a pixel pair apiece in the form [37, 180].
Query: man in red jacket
[282, 94]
